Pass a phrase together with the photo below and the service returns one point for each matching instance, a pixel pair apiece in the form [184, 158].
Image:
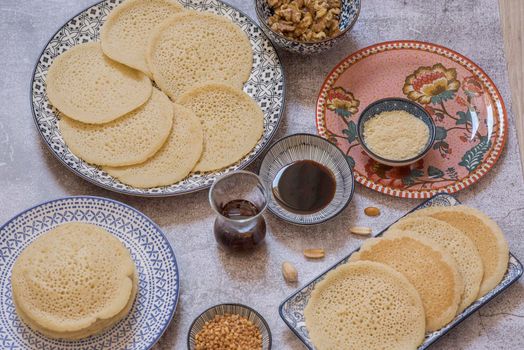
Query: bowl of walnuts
[306, 26]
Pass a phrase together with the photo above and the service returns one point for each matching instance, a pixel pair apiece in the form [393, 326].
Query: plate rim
[457, 185]
[154, 195]
[139, 213]
[338, 262]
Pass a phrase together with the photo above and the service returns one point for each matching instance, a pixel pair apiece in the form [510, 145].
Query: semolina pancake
[129, 140]
[87, 86]
[126, 31]
[365, 305]
[486, 235]
[74, 281]
[98, 327]
[232, 122]
[174, 161]
[455, 242]
[193, 48]
[432, 271]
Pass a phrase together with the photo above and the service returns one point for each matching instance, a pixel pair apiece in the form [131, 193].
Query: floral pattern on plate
[467, 108]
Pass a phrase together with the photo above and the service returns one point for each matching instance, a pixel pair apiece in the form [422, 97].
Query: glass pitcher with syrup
[239, 199]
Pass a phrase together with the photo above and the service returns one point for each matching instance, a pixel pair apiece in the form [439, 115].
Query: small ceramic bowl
[348, 17]
[308, 147]
[395, 104]
[237, 309]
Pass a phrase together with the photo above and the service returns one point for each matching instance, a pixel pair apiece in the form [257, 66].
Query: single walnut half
[305, 20]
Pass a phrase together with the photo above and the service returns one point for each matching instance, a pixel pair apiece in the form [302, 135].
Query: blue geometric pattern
[265, 86]
[292, 309]
[154, 258]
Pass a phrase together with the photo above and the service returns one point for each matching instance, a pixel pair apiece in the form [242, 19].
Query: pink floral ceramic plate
[465, 104]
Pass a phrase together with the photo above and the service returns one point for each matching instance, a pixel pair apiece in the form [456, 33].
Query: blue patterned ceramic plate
[265, 86]
[292, 309]
[157, 268]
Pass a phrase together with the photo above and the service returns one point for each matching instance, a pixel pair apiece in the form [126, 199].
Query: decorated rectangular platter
[292, 309]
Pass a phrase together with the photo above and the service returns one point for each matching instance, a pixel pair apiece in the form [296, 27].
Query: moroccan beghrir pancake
[485, 234]
[432, 271]
[113, 117]
[455, 242]
[131, 139]
[125, 33]
[74, 281]
[87, 86]
[233, 123]
[193, 48]
[365, 305]
[174, 161]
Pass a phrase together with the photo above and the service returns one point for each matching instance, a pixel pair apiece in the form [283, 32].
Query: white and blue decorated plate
[292, 309]
[265, 86]
[155, 260]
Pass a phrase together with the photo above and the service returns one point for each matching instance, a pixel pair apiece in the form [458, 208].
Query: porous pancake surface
[455, 242]
[365, 305]
[232, 122]
[193, 48]
[432, 271]
[126, 31]
[72, 277]
[174, 161]
[87, 86]
[129, 140]
[486, 235]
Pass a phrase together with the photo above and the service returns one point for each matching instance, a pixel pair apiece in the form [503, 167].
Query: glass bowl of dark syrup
[239, 200]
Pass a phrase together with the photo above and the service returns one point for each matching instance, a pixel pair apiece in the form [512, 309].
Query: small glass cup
[239, 199]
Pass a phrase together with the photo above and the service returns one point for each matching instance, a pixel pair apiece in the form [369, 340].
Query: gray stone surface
[30, 174]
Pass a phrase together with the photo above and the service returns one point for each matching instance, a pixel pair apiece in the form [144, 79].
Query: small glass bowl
[235, 309]
[349, 14]
[395, 104]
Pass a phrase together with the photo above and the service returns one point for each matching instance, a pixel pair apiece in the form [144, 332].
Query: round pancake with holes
[129, 140]
[174, 161]
[455, 242]
[87, 86]
[126, 31]
[484, 232]
[74, 281]
[365, 305]
[432, 271]
[232, 122]
[193, 48]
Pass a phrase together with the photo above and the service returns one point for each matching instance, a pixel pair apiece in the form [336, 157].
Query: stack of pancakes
[74, 281]
[427, 268]
[198, 119]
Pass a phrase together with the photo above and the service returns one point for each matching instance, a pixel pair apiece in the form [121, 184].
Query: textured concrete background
[30, 174]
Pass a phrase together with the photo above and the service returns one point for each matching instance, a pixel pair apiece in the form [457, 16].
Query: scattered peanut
[305, 20]
[372, 211]
[229, 332]
[289, 272]
[314, 253]
[361, 230]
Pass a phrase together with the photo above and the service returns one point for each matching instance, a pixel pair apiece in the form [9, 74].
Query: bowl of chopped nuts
[306, 26]
[229, 326]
